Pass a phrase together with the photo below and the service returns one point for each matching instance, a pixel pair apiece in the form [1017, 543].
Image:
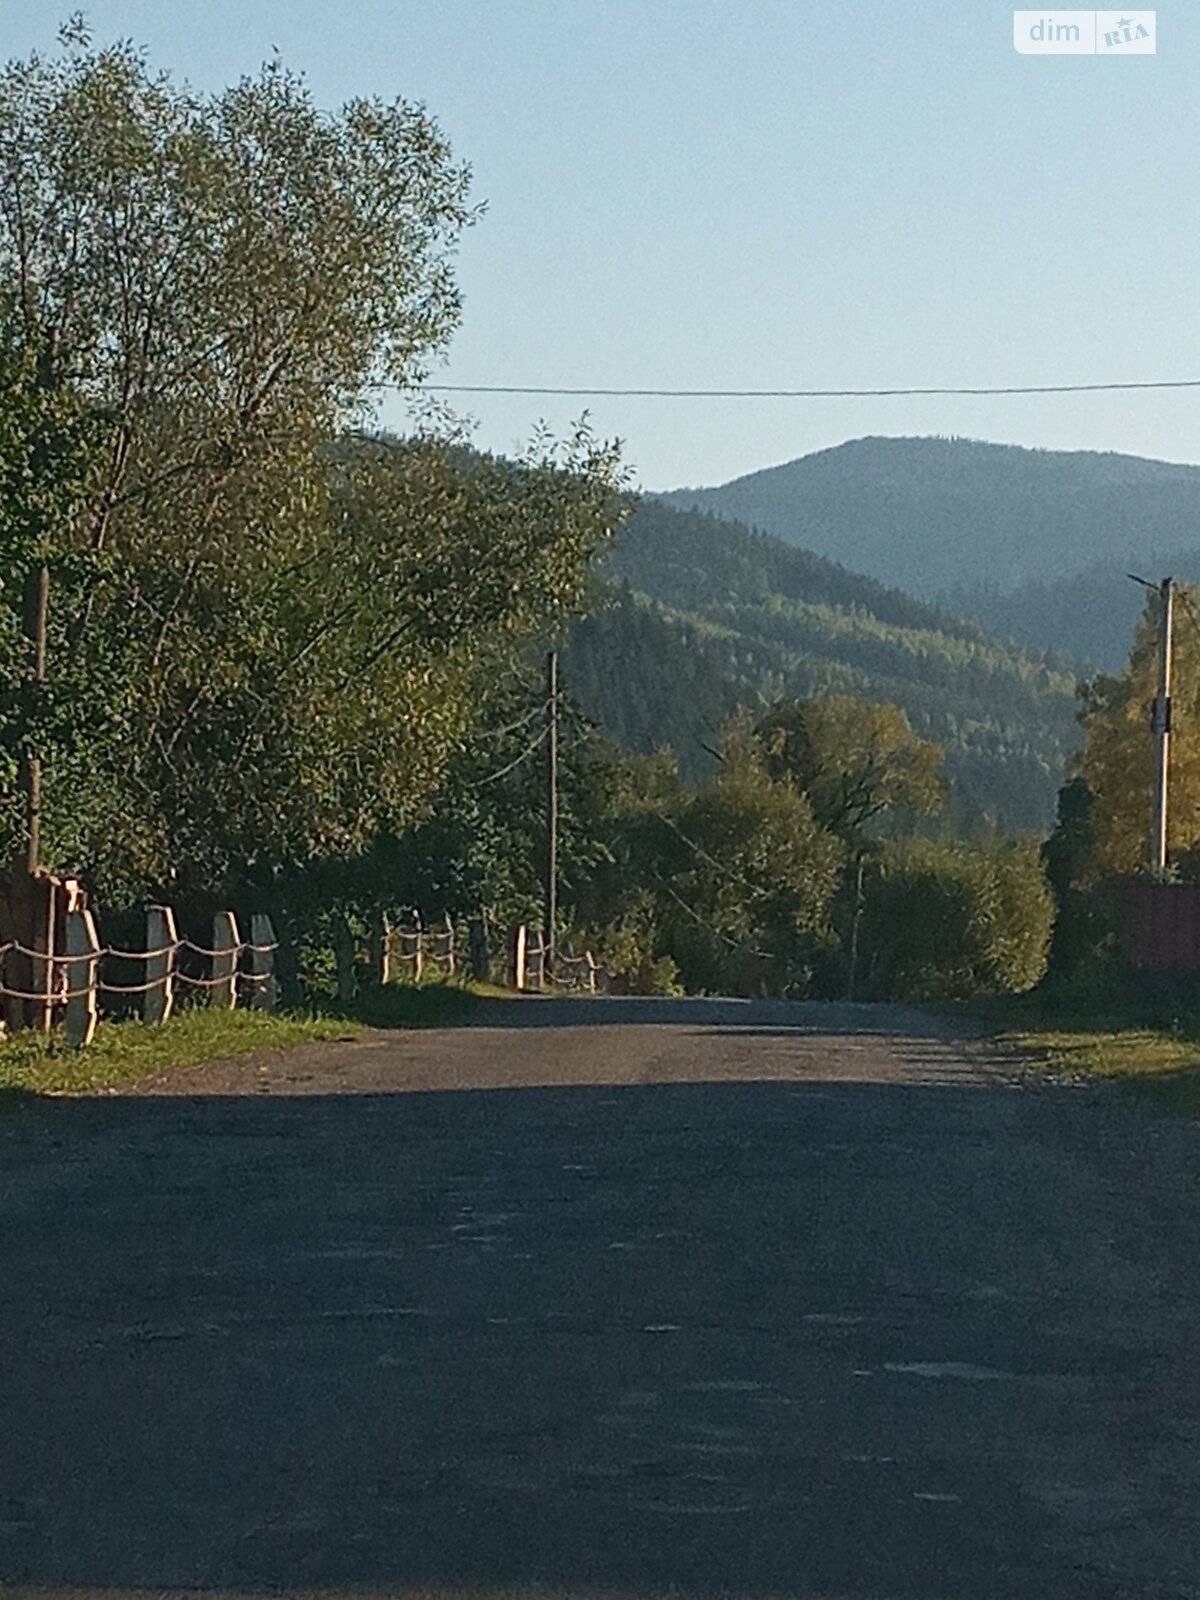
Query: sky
[770, 194]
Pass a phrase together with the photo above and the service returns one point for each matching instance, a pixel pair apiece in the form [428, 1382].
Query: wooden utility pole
[1161, 725]
[852, 976]
[31, 895]
[36, 609]
[551, 917]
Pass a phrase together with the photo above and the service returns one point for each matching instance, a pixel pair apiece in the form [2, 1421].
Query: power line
[512, 727]
[800, 394]
[503, 772]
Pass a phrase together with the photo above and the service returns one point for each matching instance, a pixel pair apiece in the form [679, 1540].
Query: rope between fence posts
[130, 988]
[98, 954]
[104, 951]
[213, 955]
[143, 955]
[210, 983]
[53, 995]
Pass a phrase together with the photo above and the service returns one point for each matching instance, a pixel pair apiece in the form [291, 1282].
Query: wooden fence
[61, 971]
[416, 950]
[66, 975]
[529, 966]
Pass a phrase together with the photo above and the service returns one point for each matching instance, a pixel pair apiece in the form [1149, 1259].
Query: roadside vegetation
[295, 664]
[1149, 1041]
[127, 1052]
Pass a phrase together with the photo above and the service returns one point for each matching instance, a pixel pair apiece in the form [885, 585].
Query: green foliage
[946, 920]
[51, 448]
[312, 617]
[746, 908]
[854, 761]
[1118, 755]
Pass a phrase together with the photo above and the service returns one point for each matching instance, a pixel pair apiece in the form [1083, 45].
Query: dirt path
[738, 1299]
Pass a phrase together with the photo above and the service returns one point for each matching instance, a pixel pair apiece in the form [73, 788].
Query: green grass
[124, 1052]
[1150, 1045]
[420, 1005]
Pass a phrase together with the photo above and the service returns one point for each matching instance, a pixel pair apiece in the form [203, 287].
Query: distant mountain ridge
[966, 523]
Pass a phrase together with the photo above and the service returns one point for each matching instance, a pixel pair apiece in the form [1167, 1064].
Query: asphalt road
[603, 1298]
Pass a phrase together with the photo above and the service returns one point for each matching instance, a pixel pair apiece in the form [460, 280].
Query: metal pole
[551, 809]
[1162, 726]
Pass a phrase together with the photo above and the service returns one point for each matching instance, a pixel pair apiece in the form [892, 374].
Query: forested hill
[942, 516]
[707, 615]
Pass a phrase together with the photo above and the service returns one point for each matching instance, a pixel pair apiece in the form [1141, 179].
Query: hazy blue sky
[772, 194]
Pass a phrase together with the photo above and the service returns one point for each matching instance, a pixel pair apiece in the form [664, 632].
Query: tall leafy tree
[310, 623]
[854, 759]
[1118, 755]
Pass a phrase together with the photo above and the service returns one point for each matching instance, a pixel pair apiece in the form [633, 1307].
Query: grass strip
[1150, 1047]
[436, 1004]
[125, 1052]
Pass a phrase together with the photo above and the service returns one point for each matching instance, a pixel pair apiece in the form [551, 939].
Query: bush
[945, 921]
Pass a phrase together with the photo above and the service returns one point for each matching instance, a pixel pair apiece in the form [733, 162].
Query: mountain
[1093, 611]
[975, 524]
[706, 614]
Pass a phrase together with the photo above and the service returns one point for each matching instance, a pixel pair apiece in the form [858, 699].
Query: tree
[746, 907]
[854, 759]
[312, 617]
[1118, 755]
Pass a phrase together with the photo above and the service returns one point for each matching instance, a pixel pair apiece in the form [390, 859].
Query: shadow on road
[594, 1340]
[793, 1016]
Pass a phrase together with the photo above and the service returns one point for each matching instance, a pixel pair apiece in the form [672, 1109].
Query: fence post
[29, 905]
[410, 944]
[478, 953]
[381, 948]
[443, 945]
[589, 972]
[264, 988]
[536, 962]
[227, 946]
[343, 948]
[159, 1000]
[82, 975]
[516, 956]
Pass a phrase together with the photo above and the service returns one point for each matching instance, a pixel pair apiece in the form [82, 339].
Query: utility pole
[36, 607]
[1161, 725]
[551, 811]
[852, 977]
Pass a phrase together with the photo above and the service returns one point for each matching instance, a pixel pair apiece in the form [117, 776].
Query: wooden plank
[263, 987]
[226, 945]
[80, 942]
[381, 948]
[161, 946]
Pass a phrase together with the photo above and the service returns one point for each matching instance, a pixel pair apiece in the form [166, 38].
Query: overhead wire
[895, 392]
